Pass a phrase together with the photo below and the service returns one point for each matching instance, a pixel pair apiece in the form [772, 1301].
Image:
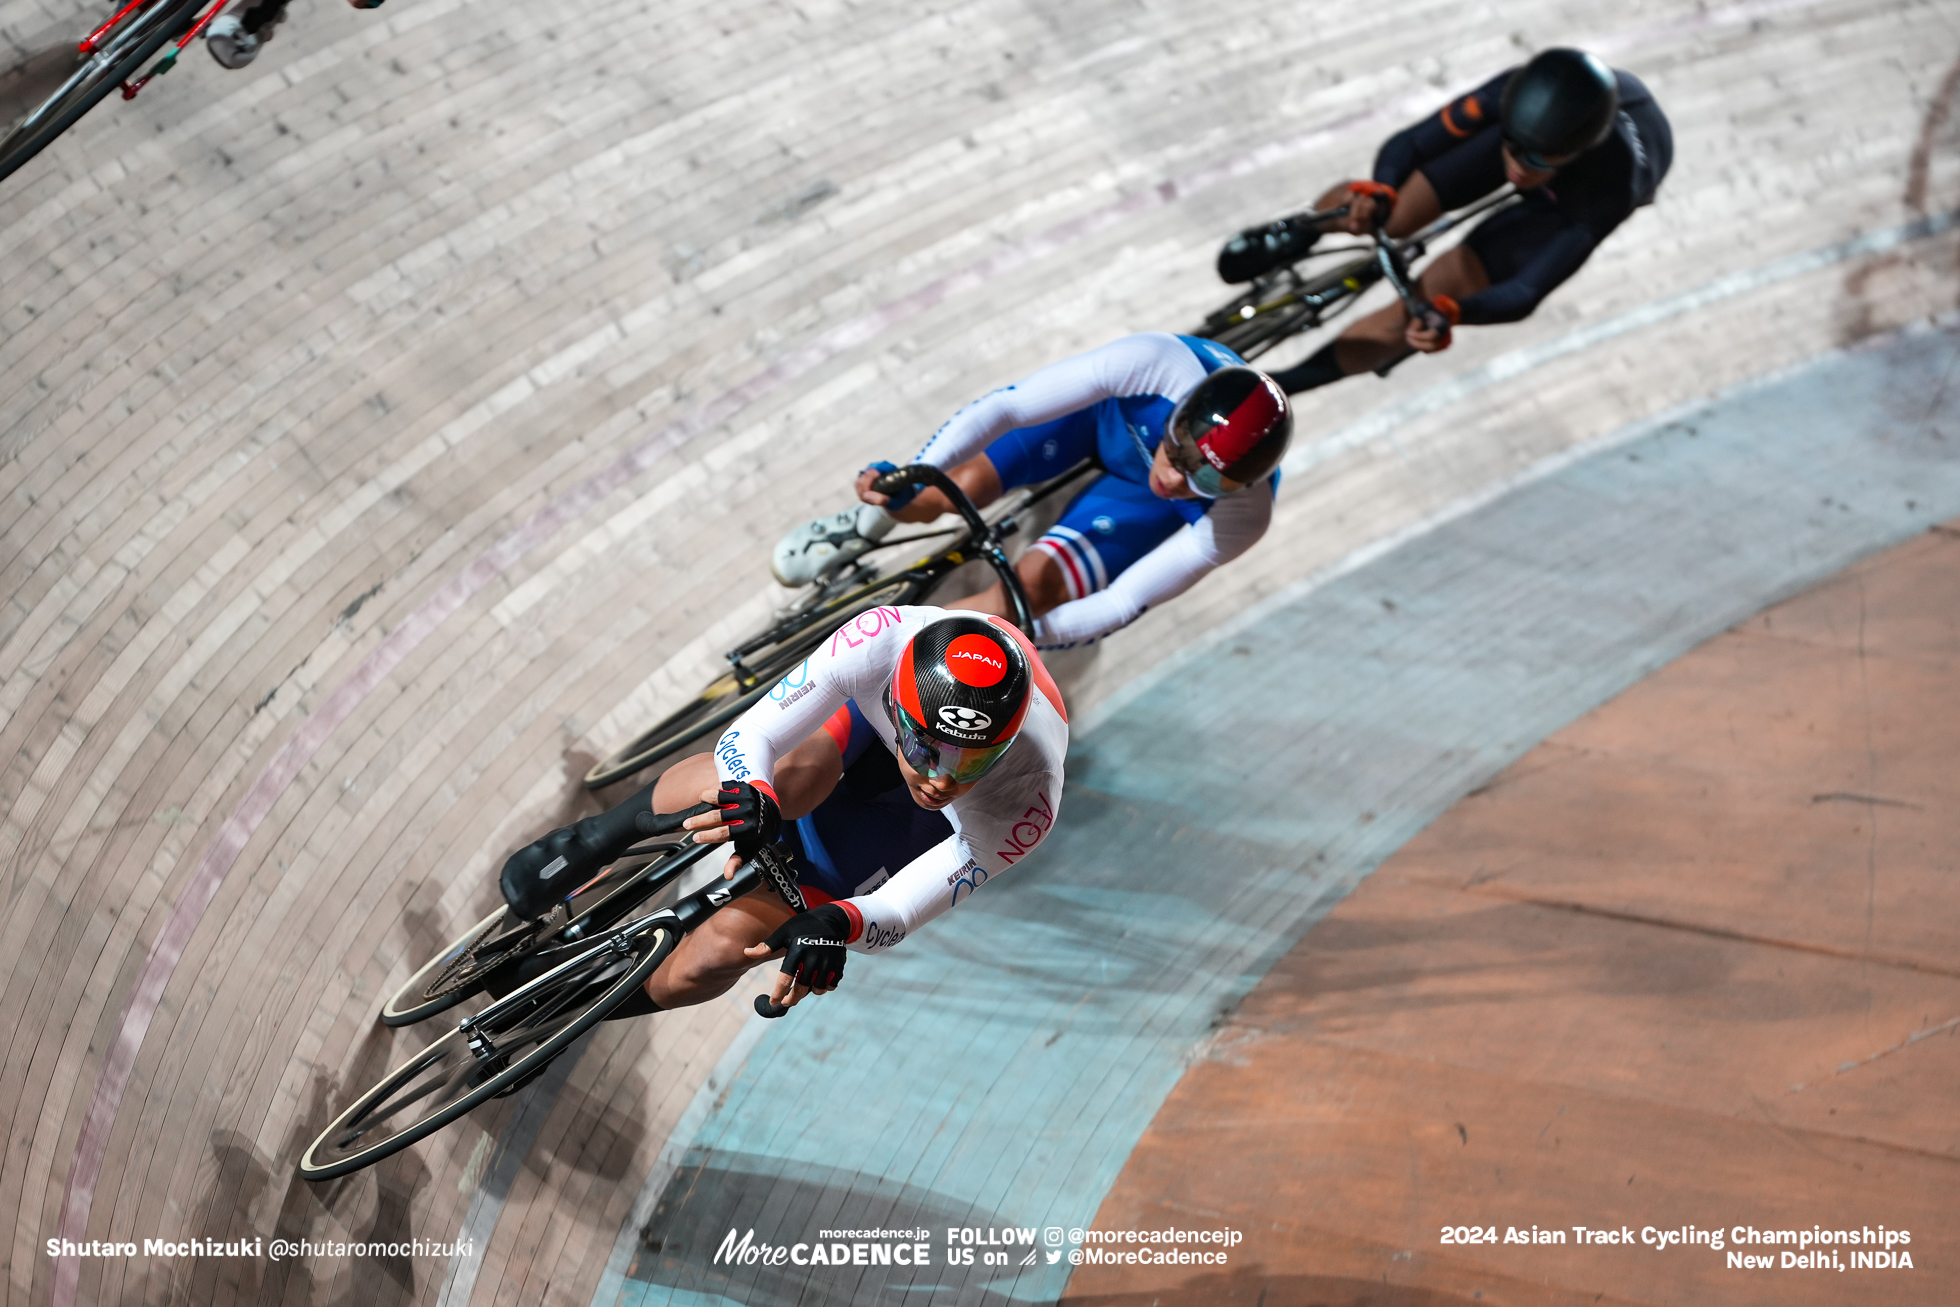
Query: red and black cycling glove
[751, 815]
[1447, 313]
[815, 958]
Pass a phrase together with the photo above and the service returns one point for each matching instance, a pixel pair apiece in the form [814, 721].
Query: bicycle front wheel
[450, 1077]
[121, 56]
[729, 696]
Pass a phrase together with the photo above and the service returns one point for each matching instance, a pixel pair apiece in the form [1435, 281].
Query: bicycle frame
[1316, 298]
[982, 541]
[94, 42]
[798, 629]
[683, 917]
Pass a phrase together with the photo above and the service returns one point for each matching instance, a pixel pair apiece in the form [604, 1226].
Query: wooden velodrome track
[383, 426]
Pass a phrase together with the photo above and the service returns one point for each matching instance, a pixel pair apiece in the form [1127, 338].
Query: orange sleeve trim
[1040, 670]
[839, 728]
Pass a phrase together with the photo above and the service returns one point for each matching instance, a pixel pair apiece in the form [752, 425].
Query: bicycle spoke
[478, 958]
[450, 1077]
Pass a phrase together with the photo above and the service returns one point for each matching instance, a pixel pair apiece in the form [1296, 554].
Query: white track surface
[382, 426]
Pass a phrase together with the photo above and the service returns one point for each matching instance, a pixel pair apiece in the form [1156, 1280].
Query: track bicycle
[554, 978]
[583, 959]
[1290, 299]
[111, 56]
[758, 663]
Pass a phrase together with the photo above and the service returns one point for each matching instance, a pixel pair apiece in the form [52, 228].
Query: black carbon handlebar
[983, 536]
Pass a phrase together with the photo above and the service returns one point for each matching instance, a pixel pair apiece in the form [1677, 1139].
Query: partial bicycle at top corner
[112, 56]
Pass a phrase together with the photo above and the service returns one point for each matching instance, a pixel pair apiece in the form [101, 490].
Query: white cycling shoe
[231, 45]
[818, 549]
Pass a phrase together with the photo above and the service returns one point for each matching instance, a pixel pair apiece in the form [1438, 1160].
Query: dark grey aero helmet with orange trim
[958, 697]
[1235, 423]
[1558, 106]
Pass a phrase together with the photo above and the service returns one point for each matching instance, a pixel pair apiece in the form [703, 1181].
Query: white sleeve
[923, 889]
[851, 664]
[985, 844]
[1233, 526]
[1149, 363]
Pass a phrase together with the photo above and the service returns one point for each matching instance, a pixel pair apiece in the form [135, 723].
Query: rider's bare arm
[1416, 206]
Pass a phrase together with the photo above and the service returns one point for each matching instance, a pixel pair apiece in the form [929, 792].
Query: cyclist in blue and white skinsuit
[1166, 512]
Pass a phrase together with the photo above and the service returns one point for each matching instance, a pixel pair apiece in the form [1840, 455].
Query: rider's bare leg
[1457, 273]
[1368, 343]
[709, 961]
[977, 477]
[1040, 575]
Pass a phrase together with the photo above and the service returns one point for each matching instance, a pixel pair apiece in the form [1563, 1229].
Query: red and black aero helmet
[1234, 424]
[957, 697]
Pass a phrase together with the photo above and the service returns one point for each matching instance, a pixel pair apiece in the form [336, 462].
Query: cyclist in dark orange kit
[1584, 144]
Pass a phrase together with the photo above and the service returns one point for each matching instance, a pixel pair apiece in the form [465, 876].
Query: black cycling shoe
[1258, 250]
[547, 870]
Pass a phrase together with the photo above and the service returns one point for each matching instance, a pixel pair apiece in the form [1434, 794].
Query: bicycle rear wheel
[464, 968]
[458, 971]
[729, 696]
[121, 55]
[450, 1077]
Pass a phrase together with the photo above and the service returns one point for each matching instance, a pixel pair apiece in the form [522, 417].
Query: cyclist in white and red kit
[913, 757]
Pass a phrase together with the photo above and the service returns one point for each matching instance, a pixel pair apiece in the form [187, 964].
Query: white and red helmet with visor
[957, 697]
[1234, 425]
